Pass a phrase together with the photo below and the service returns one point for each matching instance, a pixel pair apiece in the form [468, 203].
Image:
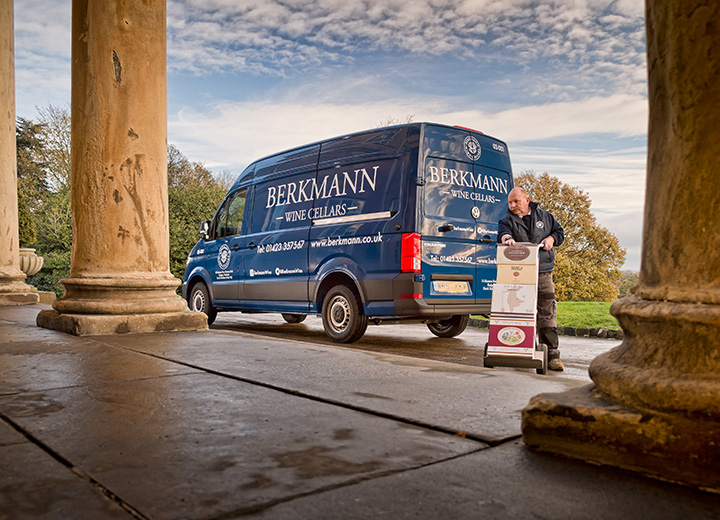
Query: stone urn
[30, 263]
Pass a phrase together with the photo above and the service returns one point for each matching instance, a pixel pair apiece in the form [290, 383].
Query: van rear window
[458, 182]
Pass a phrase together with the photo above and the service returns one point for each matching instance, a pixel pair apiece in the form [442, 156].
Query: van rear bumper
[409, 301]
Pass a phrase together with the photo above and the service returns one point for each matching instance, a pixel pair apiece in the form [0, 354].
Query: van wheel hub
[198, 302]
[339, 313]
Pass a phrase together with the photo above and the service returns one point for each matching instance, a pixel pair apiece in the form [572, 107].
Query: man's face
[518, 203]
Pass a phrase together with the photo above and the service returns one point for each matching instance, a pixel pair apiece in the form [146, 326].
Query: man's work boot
[556, 364]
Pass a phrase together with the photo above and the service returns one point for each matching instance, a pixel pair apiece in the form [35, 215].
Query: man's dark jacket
[542, 225]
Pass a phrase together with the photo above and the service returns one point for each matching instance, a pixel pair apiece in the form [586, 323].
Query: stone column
[655, 406]
[13, 289]
[120, 279]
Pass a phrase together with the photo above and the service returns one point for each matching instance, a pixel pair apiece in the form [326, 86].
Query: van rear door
[463, 199]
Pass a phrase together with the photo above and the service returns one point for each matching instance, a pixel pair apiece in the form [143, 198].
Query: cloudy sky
[563, 82]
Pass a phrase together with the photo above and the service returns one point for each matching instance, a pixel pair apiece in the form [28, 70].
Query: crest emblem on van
[224, 257]
[472, 148]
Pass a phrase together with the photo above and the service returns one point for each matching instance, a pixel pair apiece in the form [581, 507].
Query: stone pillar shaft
[655, 407]
[120, 254]
[671, 361]
[13, 289]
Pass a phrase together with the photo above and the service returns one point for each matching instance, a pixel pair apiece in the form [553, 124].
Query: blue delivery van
[384, 226]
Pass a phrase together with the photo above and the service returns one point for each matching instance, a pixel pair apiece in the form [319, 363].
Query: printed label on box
[513, 299]
[519, 274]
[517, 254]
[512, 337]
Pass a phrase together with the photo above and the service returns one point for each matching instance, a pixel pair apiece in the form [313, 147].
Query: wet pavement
[256, 418]
[415, 340]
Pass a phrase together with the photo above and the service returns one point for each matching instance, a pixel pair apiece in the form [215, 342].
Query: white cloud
[287, 38]
[237, 133]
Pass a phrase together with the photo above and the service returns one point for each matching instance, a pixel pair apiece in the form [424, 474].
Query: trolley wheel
[544, 369]
[485, 357]
[294, 318]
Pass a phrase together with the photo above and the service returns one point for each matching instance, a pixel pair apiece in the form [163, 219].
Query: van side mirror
[205, 229]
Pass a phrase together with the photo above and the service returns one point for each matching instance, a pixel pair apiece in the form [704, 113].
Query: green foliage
[593, 315]
[26, 225]
[193, 196]
[587, 265]
[53, 221]
[56, 266]
[31, 187]
[627, 282]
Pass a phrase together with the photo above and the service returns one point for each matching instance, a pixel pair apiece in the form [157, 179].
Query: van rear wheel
[294, 318]
[342, 315]
[199, 301]
[451, 327]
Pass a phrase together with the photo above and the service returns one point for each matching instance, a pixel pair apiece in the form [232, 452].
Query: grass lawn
[594, 315]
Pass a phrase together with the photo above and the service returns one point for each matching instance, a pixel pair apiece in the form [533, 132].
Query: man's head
[519, 202]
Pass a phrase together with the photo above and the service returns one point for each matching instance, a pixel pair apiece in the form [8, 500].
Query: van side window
[230, 216]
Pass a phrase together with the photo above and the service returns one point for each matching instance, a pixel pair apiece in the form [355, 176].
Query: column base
[583, 424]
[19, 298]
[14, 291]
[103, 324]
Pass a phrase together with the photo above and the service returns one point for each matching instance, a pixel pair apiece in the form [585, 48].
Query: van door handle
[235, 248]
[486, 240]
[446, 227]
[252, 245]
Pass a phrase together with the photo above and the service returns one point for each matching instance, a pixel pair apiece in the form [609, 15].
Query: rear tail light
[410, 261]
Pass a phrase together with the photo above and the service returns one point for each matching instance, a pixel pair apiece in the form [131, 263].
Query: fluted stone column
[13, 289]
[655, 405]
[119, 276]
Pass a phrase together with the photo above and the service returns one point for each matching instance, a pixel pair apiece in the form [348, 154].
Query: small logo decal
[472, 148]
[224, 257]
[540, 224]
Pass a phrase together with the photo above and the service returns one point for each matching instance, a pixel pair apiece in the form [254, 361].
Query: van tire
[453, 326]
[294, 318]
[342, 315]
[199, 301]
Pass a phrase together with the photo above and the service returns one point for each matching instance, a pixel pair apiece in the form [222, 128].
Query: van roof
[242, 177]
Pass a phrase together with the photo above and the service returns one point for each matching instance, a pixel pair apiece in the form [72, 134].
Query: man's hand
[548, 243]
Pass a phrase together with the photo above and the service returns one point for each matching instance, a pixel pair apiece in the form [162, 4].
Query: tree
[628, 280]
[55, 154]
[44, 198]
[587, 265]
[193, 196]
[31, 186]
[391, 121]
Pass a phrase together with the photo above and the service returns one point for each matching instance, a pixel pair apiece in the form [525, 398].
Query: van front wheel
[199, 301]
[342, 315]
[451, 327]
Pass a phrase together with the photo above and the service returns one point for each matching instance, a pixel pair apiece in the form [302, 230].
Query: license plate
[446, 287]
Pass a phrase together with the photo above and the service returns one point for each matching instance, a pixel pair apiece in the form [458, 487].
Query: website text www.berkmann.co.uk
[351, 241]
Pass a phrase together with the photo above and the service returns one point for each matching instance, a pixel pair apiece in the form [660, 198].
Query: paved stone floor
[223, 424]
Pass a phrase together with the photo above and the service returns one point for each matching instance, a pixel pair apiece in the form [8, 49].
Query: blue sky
[563, 82]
